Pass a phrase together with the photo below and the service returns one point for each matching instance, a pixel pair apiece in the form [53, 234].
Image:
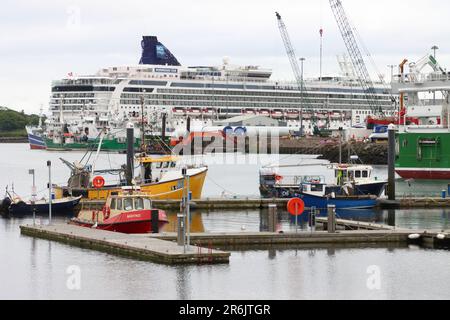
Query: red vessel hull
[127, 222]
[424, 174]
[36, 147]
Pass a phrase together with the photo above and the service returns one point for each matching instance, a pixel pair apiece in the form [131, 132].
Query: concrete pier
[267, 239]
[163, 248]
[355, 225]
[134, 246]
[416, 202]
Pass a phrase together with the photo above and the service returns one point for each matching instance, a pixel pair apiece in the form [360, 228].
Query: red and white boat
[179, 111]
[125, 213]
[194, 111]
[249, 111]
[292, 114]
[277, 114]
[208, 111]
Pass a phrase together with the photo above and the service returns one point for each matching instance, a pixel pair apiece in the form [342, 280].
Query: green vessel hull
[424, 155]
[107, 145]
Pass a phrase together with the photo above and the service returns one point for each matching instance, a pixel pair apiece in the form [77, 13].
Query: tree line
[11, 120]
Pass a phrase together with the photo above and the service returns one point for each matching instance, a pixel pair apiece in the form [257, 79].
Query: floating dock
[134, 246]
[356, 225]
[207, 203]
[258, 203]
[162, 247]
[247, 239]
[415, 202]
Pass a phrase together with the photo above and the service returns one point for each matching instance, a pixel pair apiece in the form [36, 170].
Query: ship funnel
[155, 53]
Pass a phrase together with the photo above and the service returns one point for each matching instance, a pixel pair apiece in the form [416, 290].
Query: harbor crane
[356, 56]
[294, 64]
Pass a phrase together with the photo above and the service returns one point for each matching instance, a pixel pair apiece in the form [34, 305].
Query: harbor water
[40, 269]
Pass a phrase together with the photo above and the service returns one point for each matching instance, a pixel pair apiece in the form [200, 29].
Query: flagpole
[321, 53]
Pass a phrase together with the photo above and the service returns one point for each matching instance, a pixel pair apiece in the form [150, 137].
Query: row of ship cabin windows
[129, 204]
[207, 91]
[363, 112]
[262, 99]
[353, 174]
[252, 105]
[306, 102]
[74, 95]
[265, 93]
[75, 101]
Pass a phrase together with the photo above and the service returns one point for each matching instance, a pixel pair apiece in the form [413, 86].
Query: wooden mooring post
[273, 218]
[331, 225]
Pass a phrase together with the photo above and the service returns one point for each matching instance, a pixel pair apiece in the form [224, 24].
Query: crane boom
[290, 52]
[355, 55]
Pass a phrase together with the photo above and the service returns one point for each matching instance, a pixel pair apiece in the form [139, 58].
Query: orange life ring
[98, 182]
[106, 212]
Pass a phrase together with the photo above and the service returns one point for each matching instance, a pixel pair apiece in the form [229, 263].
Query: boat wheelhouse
[126, 212]
[423, 148]
[161, 177]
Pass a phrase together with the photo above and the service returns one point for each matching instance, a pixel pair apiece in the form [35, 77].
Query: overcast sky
[43, 40]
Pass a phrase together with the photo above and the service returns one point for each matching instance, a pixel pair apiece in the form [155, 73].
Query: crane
[294, 63]
[356, 56]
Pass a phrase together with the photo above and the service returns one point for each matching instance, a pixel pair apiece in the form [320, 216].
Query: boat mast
[40, 116]
[102, 135]
[142, 122]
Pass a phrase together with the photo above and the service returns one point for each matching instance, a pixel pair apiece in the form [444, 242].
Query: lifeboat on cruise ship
[277, 114]
[322, 115]
[248, 111]
[307, 115]
[336, 116]
[195, 111]
[292, 114]
[264, 112]
[208, 111]
[179, 111]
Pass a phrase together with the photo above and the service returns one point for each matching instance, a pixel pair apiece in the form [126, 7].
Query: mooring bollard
[273, 218]
[180, 230]
[331, 218]
[49, 165]
[312, 219]
[391, 163]
[155, 221]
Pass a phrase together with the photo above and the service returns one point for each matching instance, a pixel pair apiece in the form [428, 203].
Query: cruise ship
[159, 83]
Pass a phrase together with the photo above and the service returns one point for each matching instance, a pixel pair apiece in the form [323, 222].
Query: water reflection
[183, 284]
[257, 220]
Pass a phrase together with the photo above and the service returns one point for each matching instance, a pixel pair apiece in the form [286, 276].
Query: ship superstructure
[423, 149]
[161, 84]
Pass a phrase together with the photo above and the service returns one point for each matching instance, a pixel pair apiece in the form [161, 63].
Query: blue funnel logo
[155, 53]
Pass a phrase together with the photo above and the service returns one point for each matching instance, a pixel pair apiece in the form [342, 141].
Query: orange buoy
[98, 182]
[296, 206]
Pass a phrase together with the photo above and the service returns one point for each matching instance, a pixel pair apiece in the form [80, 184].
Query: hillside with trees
[12, 123]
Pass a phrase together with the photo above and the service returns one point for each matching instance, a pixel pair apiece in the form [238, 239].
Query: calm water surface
[37, 269]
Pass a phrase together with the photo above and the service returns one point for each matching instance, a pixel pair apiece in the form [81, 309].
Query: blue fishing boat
[320, 195]
[14, 207]
[353, 187]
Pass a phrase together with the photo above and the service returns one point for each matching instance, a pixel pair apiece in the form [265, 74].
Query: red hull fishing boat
[125, 213]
